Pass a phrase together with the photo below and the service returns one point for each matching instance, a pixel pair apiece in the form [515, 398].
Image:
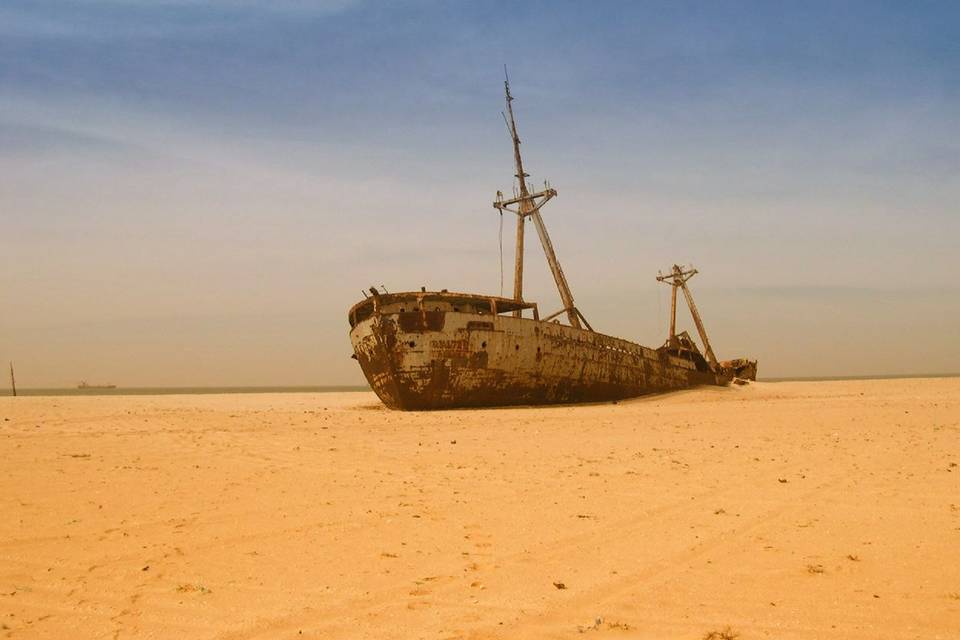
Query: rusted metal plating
[433, 350]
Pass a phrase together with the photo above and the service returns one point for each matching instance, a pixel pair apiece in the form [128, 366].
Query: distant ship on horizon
[86, 385]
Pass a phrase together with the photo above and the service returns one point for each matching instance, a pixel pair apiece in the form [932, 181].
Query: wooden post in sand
[13, 381]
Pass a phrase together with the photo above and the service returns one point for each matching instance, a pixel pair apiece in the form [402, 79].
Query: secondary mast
[677, 279]
[528, 205]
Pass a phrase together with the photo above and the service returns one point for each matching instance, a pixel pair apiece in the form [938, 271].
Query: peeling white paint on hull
[433, 359]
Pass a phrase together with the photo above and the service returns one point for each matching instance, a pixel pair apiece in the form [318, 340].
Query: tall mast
[13, 381]
[529, 206]
[524, 203]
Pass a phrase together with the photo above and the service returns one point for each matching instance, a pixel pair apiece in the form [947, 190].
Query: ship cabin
[682, 346]
[436, 302]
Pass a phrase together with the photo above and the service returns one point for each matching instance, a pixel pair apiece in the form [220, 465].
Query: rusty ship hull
[441, 350]
[438, 350]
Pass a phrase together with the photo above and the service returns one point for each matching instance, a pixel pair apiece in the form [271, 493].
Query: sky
[194, 193]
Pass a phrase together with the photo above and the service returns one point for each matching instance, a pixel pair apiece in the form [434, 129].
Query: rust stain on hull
[419, 359]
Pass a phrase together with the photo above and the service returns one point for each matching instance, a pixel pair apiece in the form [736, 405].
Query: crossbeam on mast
[504, 205]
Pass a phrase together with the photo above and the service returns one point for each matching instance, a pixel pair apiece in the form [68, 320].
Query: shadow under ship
[439, 349]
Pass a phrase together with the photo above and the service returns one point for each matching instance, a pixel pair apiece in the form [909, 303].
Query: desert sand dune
[775, 510]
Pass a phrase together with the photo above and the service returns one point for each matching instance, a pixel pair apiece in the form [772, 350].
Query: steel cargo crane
[677, 279]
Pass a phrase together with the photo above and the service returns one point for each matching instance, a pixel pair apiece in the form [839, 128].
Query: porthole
[483, 345]
[516, 347]
[412, 344]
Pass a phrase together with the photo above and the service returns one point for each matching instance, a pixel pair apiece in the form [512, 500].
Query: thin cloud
[18, 138]
[103, 20]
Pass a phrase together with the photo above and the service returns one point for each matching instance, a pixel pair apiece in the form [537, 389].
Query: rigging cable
[501, 253]
[660, 327]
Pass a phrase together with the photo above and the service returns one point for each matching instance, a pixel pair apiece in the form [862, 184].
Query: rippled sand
[776, 510]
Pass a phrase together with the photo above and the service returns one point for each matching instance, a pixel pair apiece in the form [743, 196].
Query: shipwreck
[439, 349]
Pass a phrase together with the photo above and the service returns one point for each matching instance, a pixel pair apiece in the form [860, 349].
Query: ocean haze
[194, 193]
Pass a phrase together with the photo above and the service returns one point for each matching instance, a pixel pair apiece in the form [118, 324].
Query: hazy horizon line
[225, 389]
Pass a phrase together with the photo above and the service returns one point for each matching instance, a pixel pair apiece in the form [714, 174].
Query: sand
[776, 510]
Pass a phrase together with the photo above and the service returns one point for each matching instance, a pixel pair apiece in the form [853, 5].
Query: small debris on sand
[593, 627]
[725, 634]
[190, 588]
